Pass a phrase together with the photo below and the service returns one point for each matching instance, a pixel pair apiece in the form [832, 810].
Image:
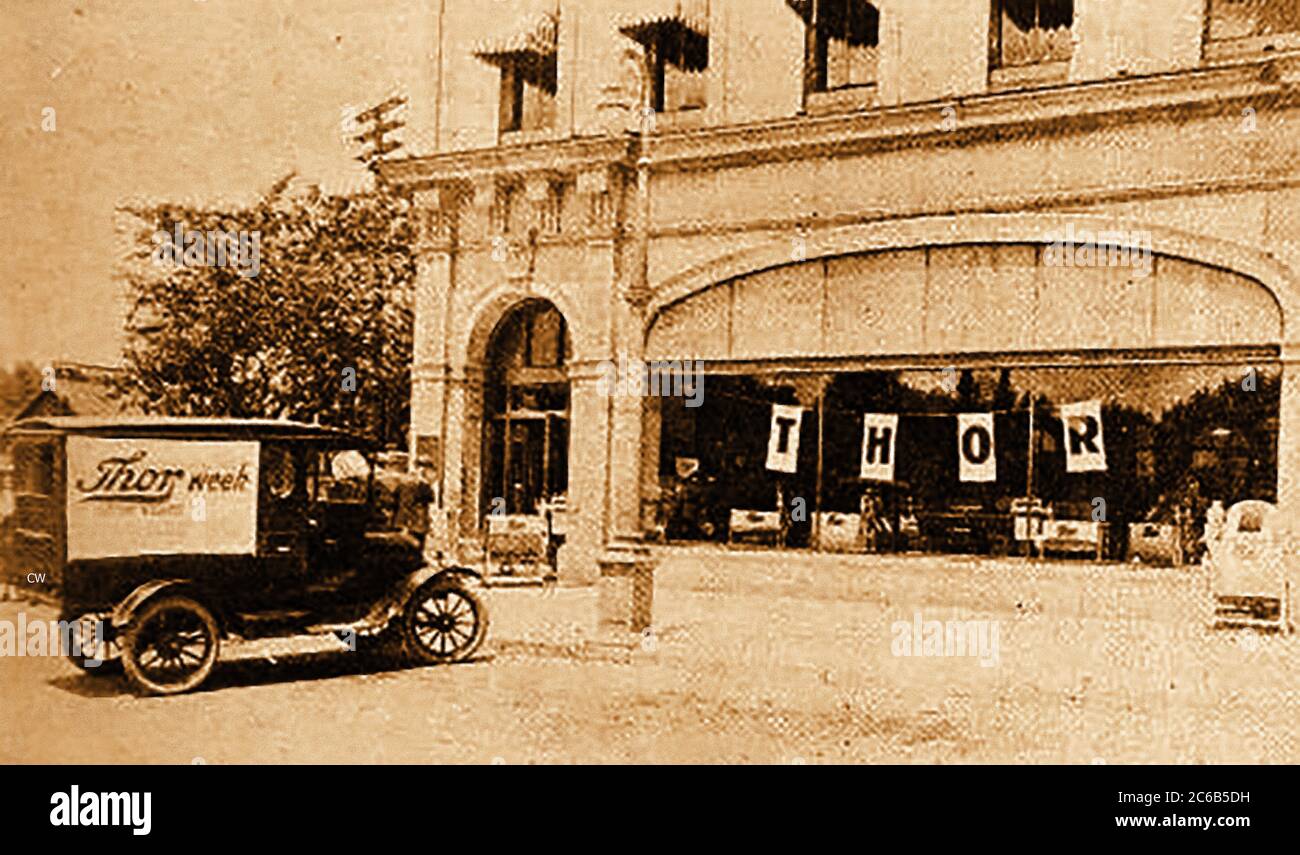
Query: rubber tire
[417, 652]
[130, 654]
[103, 669]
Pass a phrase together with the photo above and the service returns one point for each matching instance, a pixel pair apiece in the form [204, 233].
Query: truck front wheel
[443, 621]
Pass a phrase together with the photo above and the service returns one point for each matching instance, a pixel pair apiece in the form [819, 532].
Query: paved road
[755, 657]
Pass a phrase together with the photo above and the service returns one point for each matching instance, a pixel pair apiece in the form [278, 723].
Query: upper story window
[528, 63]
[1253, 23]
[1031, 32]
[675, 35]
[842, 45]
[528, 94]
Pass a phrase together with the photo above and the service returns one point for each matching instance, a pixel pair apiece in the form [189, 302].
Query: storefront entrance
[526, 412]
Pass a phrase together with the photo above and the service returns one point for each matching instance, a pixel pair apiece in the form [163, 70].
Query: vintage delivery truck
[164, 537]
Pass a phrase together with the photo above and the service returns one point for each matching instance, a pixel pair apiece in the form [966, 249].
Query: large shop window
[1177, 438]
[1031, 32]
[1253, 23]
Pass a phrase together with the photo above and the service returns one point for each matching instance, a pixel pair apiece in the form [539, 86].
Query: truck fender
[391, 605]
[472, 577]
[125, 610]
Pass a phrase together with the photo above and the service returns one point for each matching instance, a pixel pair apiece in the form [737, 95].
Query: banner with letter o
[976, 457]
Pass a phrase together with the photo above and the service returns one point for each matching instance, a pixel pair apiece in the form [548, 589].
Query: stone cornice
[1067, 108]
[1265, 83]
[554, 157]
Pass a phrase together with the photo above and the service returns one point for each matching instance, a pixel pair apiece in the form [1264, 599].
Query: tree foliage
[17, 385]
[322, 332]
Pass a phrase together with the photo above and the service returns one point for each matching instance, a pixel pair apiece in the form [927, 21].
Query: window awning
[657, 15]
[539, 38]
[804, 8]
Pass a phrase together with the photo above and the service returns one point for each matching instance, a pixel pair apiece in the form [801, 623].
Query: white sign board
[1085, 449]
[975, 452]
[783, 440]
[1073, 531]
[879, 436]
[160, 497]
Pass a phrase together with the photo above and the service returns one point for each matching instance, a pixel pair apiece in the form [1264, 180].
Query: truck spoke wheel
[443, 622]
[171, 646]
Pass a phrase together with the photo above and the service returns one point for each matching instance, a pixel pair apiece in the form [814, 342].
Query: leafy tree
[17, 385]
[322, 332]
[1235, 428]
[968, 391]
[1004, 395]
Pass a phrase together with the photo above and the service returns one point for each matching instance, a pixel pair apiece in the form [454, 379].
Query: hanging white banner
[1085, 449]
[976, 458]
[879, 436]
[783, 440]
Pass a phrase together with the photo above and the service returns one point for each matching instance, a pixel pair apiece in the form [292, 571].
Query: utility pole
[376, 135]
[378, 126]
[1029, 476]
[438, 71]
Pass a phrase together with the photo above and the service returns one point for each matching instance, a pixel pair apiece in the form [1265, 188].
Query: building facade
[787, 185]
[78, 390]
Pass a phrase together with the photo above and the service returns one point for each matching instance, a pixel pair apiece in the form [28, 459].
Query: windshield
[340, 475]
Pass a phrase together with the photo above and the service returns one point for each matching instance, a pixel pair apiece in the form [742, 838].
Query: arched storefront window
[1181, 359]
[526, 411]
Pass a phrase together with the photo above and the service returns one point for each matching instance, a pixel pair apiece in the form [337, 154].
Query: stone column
[463, 470]
[628, 307]
[587, 508]
[627, 570]
[625, 449]
[434, 249]
[432, 296]
[651, 437]
[587, 511]
[1288, 442]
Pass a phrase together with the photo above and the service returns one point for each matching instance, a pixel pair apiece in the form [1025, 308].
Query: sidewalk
[707, 584]
[1095, 663]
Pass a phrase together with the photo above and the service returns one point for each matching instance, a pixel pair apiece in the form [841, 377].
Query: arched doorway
[525, 461]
